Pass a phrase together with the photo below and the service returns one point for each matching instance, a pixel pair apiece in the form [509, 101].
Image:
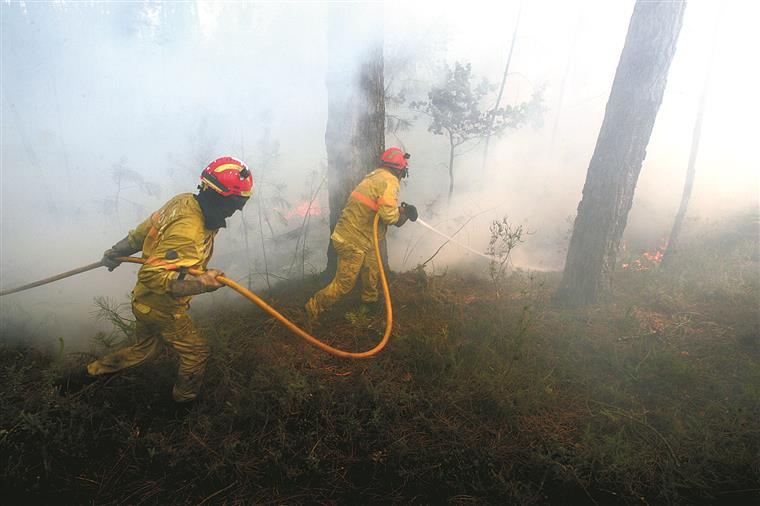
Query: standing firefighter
[175, 238]
[353, 234]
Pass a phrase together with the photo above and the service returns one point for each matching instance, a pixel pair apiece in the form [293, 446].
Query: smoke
[109, 109]
[535, 176]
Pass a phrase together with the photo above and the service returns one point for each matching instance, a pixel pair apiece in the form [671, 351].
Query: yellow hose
[293, 327]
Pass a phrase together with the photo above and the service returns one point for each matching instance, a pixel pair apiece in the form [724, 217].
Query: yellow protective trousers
[151, 328]
[351, 261]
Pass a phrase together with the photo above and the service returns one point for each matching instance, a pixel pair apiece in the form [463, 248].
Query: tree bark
[355, 134]
[635, 98]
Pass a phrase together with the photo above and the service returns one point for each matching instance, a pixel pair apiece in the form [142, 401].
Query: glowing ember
[647, 260]
[653, 256]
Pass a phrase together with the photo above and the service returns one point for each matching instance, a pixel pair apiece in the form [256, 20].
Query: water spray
[435, 230]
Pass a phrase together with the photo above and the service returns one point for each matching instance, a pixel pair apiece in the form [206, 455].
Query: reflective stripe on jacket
[172, 238]
[377, 193]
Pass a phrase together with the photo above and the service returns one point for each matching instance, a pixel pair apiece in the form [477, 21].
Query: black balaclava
[217, 208]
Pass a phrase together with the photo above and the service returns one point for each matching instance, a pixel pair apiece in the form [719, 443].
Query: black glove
[120, 249]
[410, 211]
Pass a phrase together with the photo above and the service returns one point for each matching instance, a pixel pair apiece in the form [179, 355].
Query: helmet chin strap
[405, 171]
[401, 174]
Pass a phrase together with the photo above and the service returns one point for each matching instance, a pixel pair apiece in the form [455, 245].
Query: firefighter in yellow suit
[353, 234]
[178, 236]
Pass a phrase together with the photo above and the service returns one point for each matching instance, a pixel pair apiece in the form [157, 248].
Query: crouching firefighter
[175, 238]
[353, 235]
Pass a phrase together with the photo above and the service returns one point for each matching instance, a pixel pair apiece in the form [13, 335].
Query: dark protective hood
[217, 208]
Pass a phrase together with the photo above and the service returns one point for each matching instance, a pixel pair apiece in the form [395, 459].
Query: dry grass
[651, 397]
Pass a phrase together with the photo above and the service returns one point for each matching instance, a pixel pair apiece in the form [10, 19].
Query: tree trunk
[451, 170]
[355, 135]
[498, 100]
[249, 283]
[632, 107]
[263, 241]
[672, 249]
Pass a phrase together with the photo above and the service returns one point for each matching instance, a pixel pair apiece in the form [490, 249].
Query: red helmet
[228, 176]
[395, 159]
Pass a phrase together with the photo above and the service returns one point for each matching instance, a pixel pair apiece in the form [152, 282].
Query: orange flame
[303, 209]
[648, 259]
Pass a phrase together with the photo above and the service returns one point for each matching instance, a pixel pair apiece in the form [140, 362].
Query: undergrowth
[652, 396]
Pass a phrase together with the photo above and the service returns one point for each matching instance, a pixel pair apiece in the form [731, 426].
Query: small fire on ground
[647, 260]
[303, 209]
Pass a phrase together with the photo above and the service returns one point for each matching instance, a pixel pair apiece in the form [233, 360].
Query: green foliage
[108, 310]
[360, 318]
[504, 238]
[456, 108]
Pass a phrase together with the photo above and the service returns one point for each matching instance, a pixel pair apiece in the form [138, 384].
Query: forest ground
[652, 396]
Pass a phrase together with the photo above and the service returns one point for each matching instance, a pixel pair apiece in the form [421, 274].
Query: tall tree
[498, 99]
[691, 169]
[355, 135]
[635, 98]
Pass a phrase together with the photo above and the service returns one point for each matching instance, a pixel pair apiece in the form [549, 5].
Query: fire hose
[260, 302]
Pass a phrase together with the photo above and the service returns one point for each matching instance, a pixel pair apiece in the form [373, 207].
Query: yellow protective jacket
[172, 239]
[377, 193]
